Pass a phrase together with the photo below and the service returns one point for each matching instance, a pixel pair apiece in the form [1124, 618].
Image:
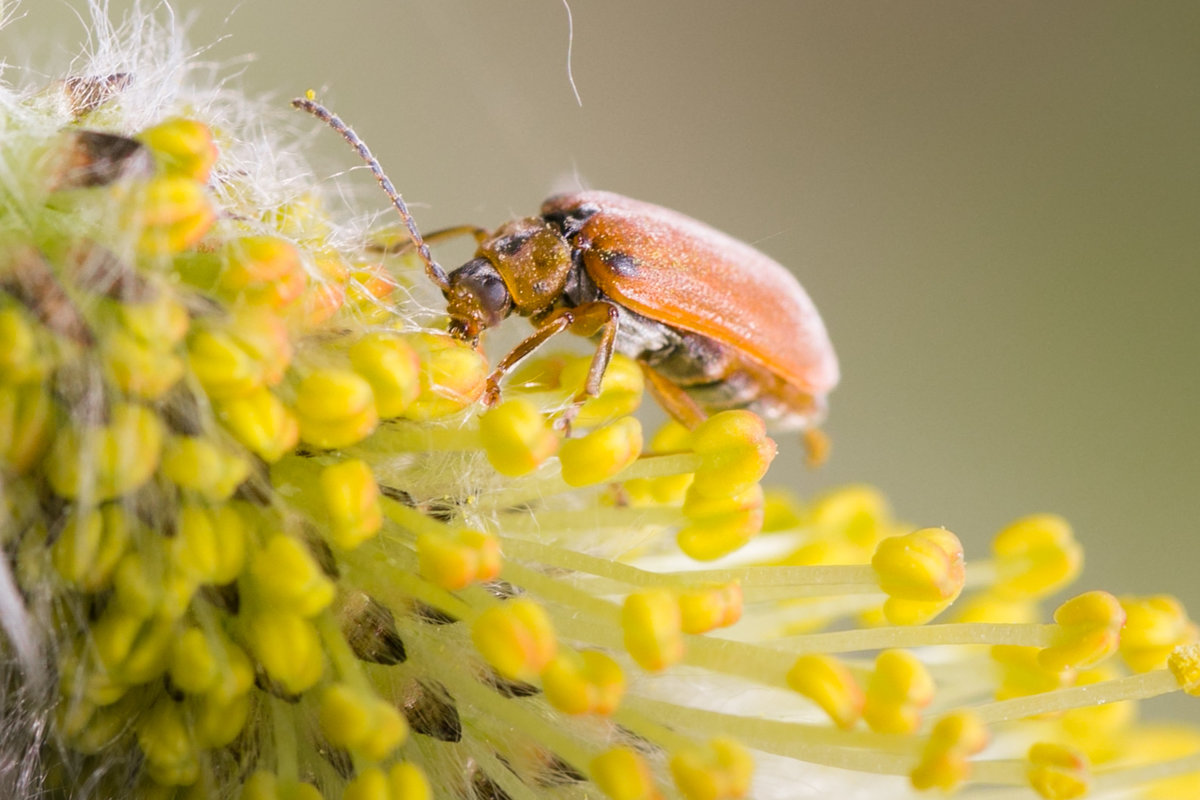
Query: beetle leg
[433, 237]
[816, 447]
[557, 322]
[590, 318]
[584, 320]
[674, 400]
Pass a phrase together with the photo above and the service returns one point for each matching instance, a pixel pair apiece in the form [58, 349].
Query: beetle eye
[493, 298]
[477, 294]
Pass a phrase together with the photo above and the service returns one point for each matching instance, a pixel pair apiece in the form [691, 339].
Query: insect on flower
[713, 323]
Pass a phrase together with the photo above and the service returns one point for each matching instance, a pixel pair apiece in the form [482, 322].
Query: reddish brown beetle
[714, 323]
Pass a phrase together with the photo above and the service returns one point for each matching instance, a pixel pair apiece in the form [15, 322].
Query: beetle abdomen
[713, 374]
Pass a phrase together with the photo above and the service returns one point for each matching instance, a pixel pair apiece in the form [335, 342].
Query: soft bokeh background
[994, 205]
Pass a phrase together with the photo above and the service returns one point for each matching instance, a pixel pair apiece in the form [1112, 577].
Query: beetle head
[476, 299]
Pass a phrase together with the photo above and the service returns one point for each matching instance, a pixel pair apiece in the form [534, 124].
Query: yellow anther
[360, 721]
[704, 610]
[672, 437]
[366, 285]
[218, 720]
[90, 545]
[264, 336]
[824, 552]
[344, 712]
[261, 270]
[899, 689]
[147, 582]
[1022, 672]
[193, 666]
[120, 637]
[1154, 626]
[164, 737]
[248, 350]
[137, 586]
[1036, 556]
[652, 624]
[163, 321]
[516, 437]
[1089, 631]
[1057, 772]
[782, 510]
[182, 147]
[150, 654]
[288, 648]
[1101, 731]
[924, 565]
[622, 774]
[284, 576]
[620, 390]
[719, 771]
[898, 611]
[170, 214]
[261, 422]
[452, 376]
[260, 785]
[457, 559]
[987, 607]
[26, 424]
[302, 216]
[583, 682]
[368, 784]
[602, 454]
[539, 373]
[335, 408]
[859, 515]
[235, 677]
[203, 662]
[145, 370]
[393, 369]
[200, 465]
[21, 359]
[945, 760]
[265, 786]
[516, 638]
[324, 298]
[922, 572]
[829, 683]
[735, 452]
[720, 524]
[1184, 663]
[91, 729]
[1153, 744]
[223, 367]
[408, 782]
[90, 680]
[107, 461]
[209, 544]
[351, 498]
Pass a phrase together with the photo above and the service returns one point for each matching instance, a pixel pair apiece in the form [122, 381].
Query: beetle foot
[491, 393]
[564, 422]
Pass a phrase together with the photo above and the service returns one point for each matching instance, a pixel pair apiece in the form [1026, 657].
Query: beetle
[714, 323]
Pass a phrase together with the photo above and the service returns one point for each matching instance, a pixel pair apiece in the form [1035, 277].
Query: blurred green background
[994, 205]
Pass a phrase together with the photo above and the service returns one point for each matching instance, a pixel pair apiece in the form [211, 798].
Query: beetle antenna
[432, 268]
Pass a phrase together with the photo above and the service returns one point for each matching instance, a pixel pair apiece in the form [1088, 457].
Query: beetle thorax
[533, 259]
